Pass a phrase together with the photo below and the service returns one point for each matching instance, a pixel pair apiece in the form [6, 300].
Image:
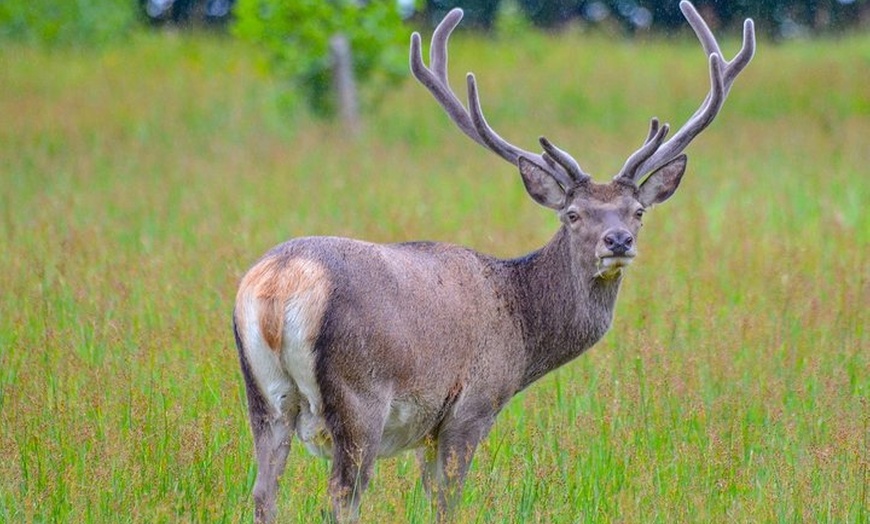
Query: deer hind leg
[272, 417]
[272, 434]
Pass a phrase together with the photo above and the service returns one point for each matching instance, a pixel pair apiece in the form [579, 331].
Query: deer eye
[639, 213]
[572, 216]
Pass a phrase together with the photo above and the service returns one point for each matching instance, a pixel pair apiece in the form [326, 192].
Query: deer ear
[541, 185]
[660, 185]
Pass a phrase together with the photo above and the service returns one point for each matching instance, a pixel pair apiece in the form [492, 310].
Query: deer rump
[338, 326]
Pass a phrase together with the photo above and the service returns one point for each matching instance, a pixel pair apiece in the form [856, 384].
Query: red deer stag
[363, 350]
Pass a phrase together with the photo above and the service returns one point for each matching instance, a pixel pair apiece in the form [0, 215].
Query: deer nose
[618, 241]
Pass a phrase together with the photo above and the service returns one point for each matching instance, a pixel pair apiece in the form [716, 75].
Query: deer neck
[564, 310]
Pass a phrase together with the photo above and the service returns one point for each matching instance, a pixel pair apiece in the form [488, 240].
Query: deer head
[602, 220]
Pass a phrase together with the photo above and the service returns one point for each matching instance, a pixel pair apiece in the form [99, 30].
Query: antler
[471, 121]
[653, 154]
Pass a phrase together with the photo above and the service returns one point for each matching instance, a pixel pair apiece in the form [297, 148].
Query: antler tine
[702, 30]
[493, 140]
[470, 121]
[561, 169]
[744, 56]
[734, 66]
[654, 140]
[564, 159]
[438, 49]
[653, 129]
[722, 76]
[439, 86]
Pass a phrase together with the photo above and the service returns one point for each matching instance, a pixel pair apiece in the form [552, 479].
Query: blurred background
[296, 38]
[95, 20]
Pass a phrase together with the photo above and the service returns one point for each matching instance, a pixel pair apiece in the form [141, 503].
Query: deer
[363, 350]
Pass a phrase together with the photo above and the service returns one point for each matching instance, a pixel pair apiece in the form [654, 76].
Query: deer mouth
[610, 266]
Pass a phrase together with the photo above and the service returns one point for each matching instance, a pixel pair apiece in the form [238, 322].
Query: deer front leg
[444, 470]
[427, 459]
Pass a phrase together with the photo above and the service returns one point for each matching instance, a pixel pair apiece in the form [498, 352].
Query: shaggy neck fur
[561, 317]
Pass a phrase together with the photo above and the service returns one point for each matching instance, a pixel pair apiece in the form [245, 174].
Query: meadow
[138, 182]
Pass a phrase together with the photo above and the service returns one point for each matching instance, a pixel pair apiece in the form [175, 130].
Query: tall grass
[138, 183]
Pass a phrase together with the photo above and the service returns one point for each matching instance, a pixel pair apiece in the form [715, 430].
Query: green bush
[80, 22]
[296, 33]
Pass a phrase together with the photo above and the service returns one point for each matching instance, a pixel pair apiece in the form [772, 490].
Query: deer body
[479, 330]
[364, 350]
[401, 322]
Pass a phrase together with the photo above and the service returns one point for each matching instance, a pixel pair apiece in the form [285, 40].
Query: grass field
[139, 182]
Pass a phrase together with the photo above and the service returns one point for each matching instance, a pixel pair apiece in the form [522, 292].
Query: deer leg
[273, 422]
[427, 458]
[457, 442]
[272, 434]
[356, 430]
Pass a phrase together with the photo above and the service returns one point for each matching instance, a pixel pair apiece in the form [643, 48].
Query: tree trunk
[345, 87]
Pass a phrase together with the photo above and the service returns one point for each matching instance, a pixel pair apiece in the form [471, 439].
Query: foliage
[78, 22]
[295, 35]
[780, 18]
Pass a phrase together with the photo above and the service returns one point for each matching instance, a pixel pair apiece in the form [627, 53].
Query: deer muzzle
[615, 250]
[619, 242]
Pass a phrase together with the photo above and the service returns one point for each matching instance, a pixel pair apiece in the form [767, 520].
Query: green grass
[139, 183]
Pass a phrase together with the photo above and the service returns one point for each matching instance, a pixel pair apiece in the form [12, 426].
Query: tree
[296, 36]
[66, 23]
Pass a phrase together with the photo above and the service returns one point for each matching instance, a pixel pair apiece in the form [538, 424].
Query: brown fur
[274, 282]
[604, 192]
